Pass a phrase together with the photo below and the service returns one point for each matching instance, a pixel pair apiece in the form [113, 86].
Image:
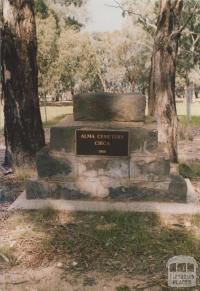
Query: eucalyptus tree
[166, 30]
[24, 134]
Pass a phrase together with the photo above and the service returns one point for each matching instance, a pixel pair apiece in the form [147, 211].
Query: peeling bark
[162, 78]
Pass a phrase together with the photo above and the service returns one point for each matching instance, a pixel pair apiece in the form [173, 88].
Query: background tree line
[109, 61]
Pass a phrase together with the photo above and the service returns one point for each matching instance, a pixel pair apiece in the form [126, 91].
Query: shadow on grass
[112, 242]
[54, 121]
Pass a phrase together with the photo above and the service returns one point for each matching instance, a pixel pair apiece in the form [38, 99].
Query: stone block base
[142, 175]
[173, 190]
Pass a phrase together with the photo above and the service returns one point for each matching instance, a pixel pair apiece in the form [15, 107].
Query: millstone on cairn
[106, 150]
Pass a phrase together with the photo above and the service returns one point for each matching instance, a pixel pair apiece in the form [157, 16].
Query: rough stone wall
[143, 175]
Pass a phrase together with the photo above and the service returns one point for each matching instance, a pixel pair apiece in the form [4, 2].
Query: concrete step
[191, 207]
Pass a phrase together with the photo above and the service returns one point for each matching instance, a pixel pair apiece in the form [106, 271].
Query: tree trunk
[188, 96]
[162, 78]
[57, 98]
[24, 134]
[196, 93]
[103, 82]
[132, 86]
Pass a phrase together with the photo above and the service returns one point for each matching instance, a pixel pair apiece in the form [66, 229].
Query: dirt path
[53, 278]
[189, 150]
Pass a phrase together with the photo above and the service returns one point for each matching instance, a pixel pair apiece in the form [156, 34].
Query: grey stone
[143, 175]
[43, 189]
[98, 167]
[59, 265]
[178, 187]
[103, 206]
[143, 139]
[138, 193]
[48, 166]
[148, 167]
[109, 106]
[62, 138]
[36, 190]
[83, 190]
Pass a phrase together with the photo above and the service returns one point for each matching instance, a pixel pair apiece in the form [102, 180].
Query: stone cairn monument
[106, 150]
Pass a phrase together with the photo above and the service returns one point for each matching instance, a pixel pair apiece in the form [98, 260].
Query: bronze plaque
[102, 142]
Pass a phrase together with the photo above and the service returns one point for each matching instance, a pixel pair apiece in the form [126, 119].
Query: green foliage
[188, 61]
[123, 288]
[75, 2]
[46, 214]
[76, 62]
[47, 35]
[57, 74]
[70, 2]
[41, 8]
[73, 23]
[123, 59]
[190, 171]
[73, 61]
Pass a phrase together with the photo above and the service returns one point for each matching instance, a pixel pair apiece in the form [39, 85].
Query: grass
[23, 173]
[185, 132]
[112, 242]
[54, 114]
[195, 120]
[54, 121]
[7, 256]
[106, 244]
[123, 288]
[195, 108]
[46, 214]
[190, 170]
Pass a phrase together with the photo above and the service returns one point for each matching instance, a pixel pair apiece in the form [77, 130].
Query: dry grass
[14, 184]
[195, 108]
[24, 172]
[185, 132]
[111, 242]
[54, 121]
[7, 256]
[52, 112]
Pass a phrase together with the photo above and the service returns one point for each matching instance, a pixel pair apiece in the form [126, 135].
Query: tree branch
[145, 20]
[195, 40]
[180, 30]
